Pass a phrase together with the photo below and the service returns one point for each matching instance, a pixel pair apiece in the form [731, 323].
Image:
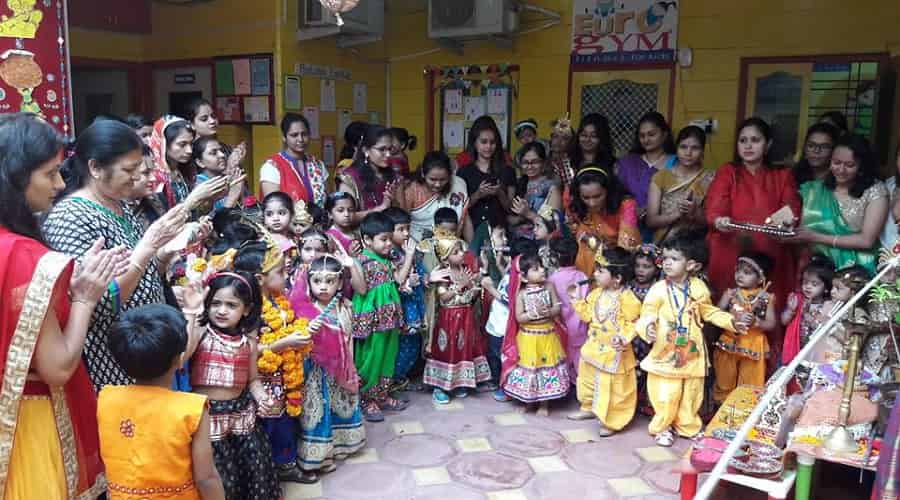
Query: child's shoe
[461, 392]
[440, 397]
[501, 397]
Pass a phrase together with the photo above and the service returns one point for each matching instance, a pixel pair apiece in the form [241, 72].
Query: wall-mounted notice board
[464, 93]
[244, 89]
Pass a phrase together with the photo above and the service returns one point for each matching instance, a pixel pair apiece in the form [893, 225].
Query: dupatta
[331, 348]
[792, 334]
[166, 182]
[822, 214]
[30, 276]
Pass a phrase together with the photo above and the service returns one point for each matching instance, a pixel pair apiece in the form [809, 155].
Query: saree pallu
[618, 229]
[423, 204]
[62, 464]
[822, 214]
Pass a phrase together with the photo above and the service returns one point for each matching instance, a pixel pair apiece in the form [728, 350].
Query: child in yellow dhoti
[741, 359]
[607, 383]
[672, 319]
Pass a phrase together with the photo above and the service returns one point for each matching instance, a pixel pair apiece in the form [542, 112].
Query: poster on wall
[328, 149]
[328, 97]
[228, 109]
[360, 98]
[345, 116]
[312, 116]
[34, 62]
[607, 32]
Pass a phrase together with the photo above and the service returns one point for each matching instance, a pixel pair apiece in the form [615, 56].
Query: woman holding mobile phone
[489, 178]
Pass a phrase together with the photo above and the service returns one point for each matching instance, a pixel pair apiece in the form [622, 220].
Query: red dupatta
[509, 353]
[792, 334]
[34, 281]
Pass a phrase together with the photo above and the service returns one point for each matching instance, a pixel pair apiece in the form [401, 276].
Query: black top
[481, 210]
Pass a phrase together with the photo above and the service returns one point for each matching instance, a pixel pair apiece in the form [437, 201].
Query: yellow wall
[719, 32]
[105, 45]
[365, 62]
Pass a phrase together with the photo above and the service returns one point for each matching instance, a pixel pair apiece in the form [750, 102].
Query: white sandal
[665, 438]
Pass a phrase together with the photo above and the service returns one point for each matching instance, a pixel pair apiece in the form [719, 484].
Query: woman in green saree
[844, 213]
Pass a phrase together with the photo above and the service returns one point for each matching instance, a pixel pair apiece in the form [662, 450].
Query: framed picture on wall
[256, 110]
[293, 99]
[228, 109]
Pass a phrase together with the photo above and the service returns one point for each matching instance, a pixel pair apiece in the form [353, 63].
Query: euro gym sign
[622, 32]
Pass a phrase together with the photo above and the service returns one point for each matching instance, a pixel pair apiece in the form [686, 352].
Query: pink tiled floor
[494, 451]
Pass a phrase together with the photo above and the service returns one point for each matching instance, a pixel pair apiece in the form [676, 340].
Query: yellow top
[610, 314]
[145, 441]
[679, 350]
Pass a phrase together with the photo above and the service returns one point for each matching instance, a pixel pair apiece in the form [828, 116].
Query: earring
[367, 158]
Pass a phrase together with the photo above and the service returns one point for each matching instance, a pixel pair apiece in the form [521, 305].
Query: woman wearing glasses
[370, 179]
[844, 214]
[293, 170]
[815, 159]
[536, 189]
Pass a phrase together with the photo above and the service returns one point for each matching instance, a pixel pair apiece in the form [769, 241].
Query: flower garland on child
[280, 323]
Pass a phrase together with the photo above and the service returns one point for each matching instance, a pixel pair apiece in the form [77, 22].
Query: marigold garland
[280, 323]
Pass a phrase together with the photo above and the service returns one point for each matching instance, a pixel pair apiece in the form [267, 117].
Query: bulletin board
[244, 89]
[330, 98]
[464, 93]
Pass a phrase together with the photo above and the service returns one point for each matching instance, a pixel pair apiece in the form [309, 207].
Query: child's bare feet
[543, 409]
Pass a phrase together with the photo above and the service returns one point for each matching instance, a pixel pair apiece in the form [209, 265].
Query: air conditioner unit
[363, 24]
[462, 19]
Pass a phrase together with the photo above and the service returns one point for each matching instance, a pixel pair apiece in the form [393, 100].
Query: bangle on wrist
[80, 301]
[834, 242]
[192, 312]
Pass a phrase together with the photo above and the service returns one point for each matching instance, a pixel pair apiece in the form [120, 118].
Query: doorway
[622, 97]
[98, 92]
[175, 87]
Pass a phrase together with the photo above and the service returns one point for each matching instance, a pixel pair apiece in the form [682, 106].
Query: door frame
[138, 81]
[600, 68]
[883, 59]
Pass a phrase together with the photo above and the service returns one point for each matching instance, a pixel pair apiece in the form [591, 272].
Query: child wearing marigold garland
[741, 359]
[331, 422]
[283, 344]
[672, 319]
[224, 368]
[378, 315]
[607, 383]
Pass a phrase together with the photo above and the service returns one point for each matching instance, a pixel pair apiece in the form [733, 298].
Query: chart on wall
[467, 93]
[244, 89]
[34, 61]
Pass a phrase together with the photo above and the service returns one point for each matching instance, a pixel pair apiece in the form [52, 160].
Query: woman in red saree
[49, 447]
[749, 190]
